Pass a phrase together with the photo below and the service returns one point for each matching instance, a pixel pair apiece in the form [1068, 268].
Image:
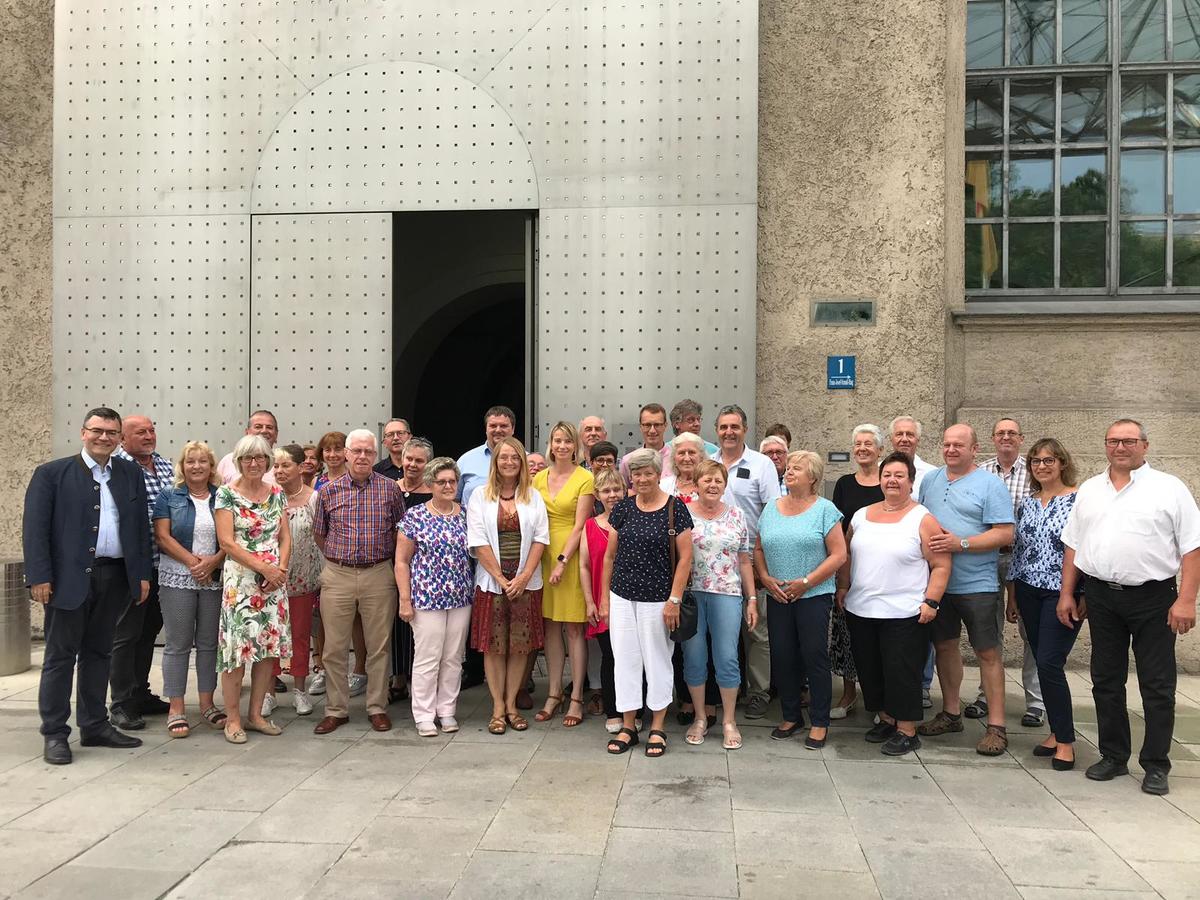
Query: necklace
[887, 508]
[512, 496]
[203, 496]
[294, 493]
[449, 511]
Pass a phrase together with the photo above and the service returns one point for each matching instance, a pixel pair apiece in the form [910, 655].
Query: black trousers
[81, 640]
[889, 655]
[1051, 642]
[1116, 618]
[608, 686]
[799, 636]
[133, 651]
[403, 650]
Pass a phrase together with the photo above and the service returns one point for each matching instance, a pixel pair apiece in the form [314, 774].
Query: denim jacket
[176, 504]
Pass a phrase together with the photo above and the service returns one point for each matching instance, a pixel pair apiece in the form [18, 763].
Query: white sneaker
[358, 684]
[449, 724]
[302, 703]
[269, 705]
[427, 729]
[316, 684]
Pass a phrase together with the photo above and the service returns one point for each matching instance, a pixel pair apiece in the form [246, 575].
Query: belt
[108, 561]
[358, 565]
[1116, 586]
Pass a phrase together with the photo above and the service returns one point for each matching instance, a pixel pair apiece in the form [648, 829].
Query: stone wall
[26, 126]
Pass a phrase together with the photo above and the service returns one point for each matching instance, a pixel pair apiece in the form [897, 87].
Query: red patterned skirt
[500, 625]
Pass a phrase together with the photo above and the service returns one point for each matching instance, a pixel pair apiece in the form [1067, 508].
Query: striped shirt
[162, 477]
[357, 520]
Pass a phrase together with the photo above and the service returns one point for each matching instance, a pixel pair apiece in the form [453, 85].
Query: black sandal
[658, 747]
[616, 746]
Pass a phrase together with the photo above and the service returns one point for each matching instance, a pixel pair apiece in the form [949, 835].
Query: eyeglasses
[103, 432]
[396, 434]
[446, 482]
[1043, 460]
[254, 459]
[1128, 443]
[654, 426]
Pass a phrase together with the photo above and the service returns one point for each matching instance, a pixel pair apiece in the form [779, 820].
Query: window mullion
[1169, 205]
[1057, 169]
[1114, 146]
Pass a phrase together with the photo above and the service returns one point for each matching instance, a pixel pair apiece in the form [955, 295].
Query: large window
[1083, 147]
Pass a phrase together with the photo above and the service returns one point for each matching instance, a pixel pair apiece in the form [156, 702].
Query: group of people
[680, 571]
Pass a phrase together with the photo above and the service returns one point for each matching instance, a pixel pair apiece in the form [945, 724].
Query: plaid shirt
[163, 476]
[358, 520]
[1017, 482]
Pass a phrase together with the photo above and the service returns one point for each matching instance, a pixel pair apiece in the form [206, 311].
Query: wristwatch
[804, 581]
[932, 604]
[965, 543]
[674, 600]
[561, 558]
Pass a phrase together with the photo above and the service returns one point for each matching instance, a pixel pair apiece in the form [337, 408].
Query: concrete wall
[26, 87]
[854, 162]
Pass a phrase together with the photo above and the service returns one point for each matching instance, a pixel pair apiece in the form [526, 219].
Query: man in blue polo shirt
[975, 511]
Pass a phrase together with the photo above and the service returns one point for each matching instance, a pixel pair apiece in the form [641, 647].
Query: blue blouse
[1037, 556]
[795, 545]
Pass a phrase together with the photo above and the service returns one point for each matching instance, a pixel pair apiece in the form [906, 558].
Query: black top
[391, 470]
[415, 498]
[849, 497]
[642, 569]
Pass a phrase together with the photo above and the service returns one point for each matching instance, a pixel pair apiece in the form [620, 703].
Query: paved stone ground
[549, 813]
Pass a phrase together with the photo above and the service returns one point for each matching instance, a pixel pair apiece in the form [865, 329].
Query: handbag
[689, 615]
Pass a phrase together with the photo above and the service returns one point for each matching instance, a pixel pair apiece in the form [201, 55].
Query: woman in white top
[891, 587]
[507, 532]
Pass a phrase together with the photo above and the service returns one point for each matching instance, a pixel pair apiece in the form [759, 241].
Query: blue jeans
[927, 677]
[721, 616]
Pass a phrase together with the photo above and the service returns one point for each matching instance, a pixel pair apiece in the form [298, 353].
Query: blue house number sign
[840, 372]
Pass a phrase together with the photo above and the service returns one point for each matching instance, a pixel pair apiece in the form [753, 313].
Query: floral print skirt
[255, 624]
[841, 659]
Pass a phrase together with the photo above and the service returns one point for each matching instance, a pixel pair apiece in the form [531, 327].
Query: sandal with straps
[616, 746]
[570, 721]
[177, 726]
[655, 749]
[545, 715]
[214, 717]
[697, 732]
[516, 721]
[733, 737]
[496, 725]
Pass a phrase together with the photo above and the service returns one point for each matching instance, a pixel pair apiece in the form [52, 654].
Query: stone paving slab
[548, 813]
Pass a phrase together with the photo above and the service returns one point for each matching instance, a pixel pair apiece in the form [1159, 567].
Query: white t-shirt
[888, 570]
[1136, 534]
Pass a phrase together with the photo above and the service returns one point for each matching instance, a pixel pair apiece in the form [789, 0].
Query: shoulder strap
[671, 530]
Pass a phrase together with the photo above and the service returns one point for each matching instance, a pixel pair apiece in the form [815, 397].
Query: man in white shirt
[754, 483]
[263, 423]
[905, 432]
[1132, 530]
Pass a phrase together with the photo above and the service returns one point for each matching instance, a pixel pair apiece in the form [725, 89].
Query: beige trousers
[372, 594]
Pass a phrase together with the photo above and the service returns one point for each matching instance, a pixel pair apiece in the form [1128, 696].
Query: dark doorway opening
[461, 314]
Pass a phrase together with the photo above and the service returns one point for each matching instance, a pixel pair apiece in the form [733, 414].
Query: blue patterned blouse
[441, 566]
[1037, 556]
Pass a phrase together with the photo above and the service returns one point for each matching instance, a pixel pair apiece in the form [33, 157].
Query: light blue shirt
[108, 539]
[795, 545]
[754, 483]
[966, 507]
[473, 466]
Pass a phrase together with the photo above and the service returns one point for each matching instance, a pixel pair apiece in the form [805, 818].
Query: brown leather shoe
[380, 722]
[330, 723]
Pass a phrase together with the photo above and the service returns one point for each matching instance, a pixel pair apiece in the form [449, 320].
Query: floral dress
[254, 623]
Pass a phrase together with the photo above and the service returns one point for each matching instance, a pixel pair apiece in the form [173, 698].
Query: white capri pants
[640, 642]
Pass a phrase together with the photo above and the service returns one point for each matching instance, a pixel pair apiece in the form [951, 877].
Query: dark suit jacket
[62, 519]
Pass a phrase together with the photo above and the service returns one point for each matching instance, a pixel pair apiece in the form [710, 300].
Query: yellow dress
[563, 602]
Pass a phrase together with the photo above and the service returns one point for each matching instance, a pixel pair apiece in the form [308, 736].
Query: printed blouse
[1037, 556]
[716, 544]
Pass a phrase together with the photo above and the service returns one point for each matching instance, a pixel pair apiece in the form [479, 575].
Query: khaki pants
[372, 594]
[758, 651]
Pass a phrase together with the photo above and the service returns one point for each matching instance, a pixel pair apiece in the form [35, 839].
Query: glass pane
[1031, 256]
[1084, 183]
[1031, 111]
[985, 112]
[1082, 255]
[985, 34]
[1085, 31]
[1186, 37]
[1143, 182]
[1085, 109]
[1031, 185]
[1187, 107]
[1187, 254]
[1186, 176]
[983, 257]
[1031, 33]
[1143, 107]
[1143, 30]
[1143, 254]
[984, 186]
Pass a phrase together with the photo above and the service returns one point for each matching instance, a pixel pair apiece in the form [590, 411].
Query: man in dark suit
[87, 552]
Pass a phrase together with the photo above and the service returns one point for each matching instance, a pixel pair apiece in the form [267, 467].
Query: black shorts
[977, 611]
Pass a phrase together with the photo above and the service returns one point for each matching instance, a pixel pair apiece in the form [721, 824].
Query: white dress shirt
[108, 538]
[754, 482]
[1136, 534]
[923, 468]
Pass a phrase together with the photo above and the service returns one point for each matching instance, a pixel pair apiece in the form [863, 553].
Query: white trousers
[640, 643]
[439, 637]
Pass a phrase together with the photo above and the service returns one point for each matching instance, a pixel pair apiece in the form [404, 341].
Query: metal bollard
[14, 618]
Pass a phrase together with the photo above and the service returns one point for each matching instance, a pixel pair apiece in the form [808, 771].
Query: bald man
[140, 623]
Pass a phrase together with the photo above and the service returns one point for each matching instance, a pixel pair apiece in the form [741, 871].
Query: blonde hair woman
[507, 532]
[189, 579]
[567, 490]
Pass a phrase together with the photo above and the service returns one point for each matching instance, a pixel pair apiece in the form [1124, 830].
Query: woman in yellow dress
[567, 489]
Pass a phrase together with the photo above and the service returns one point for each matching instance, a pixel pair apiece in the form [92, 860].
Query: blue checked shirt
[162, 477]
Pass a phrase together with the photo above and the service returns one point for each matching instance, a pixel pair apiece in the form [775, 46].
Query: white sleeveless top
[888, 571]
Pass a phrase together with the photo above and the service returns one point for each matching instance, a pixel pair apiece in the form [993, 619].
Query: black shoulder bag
[688, 614]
